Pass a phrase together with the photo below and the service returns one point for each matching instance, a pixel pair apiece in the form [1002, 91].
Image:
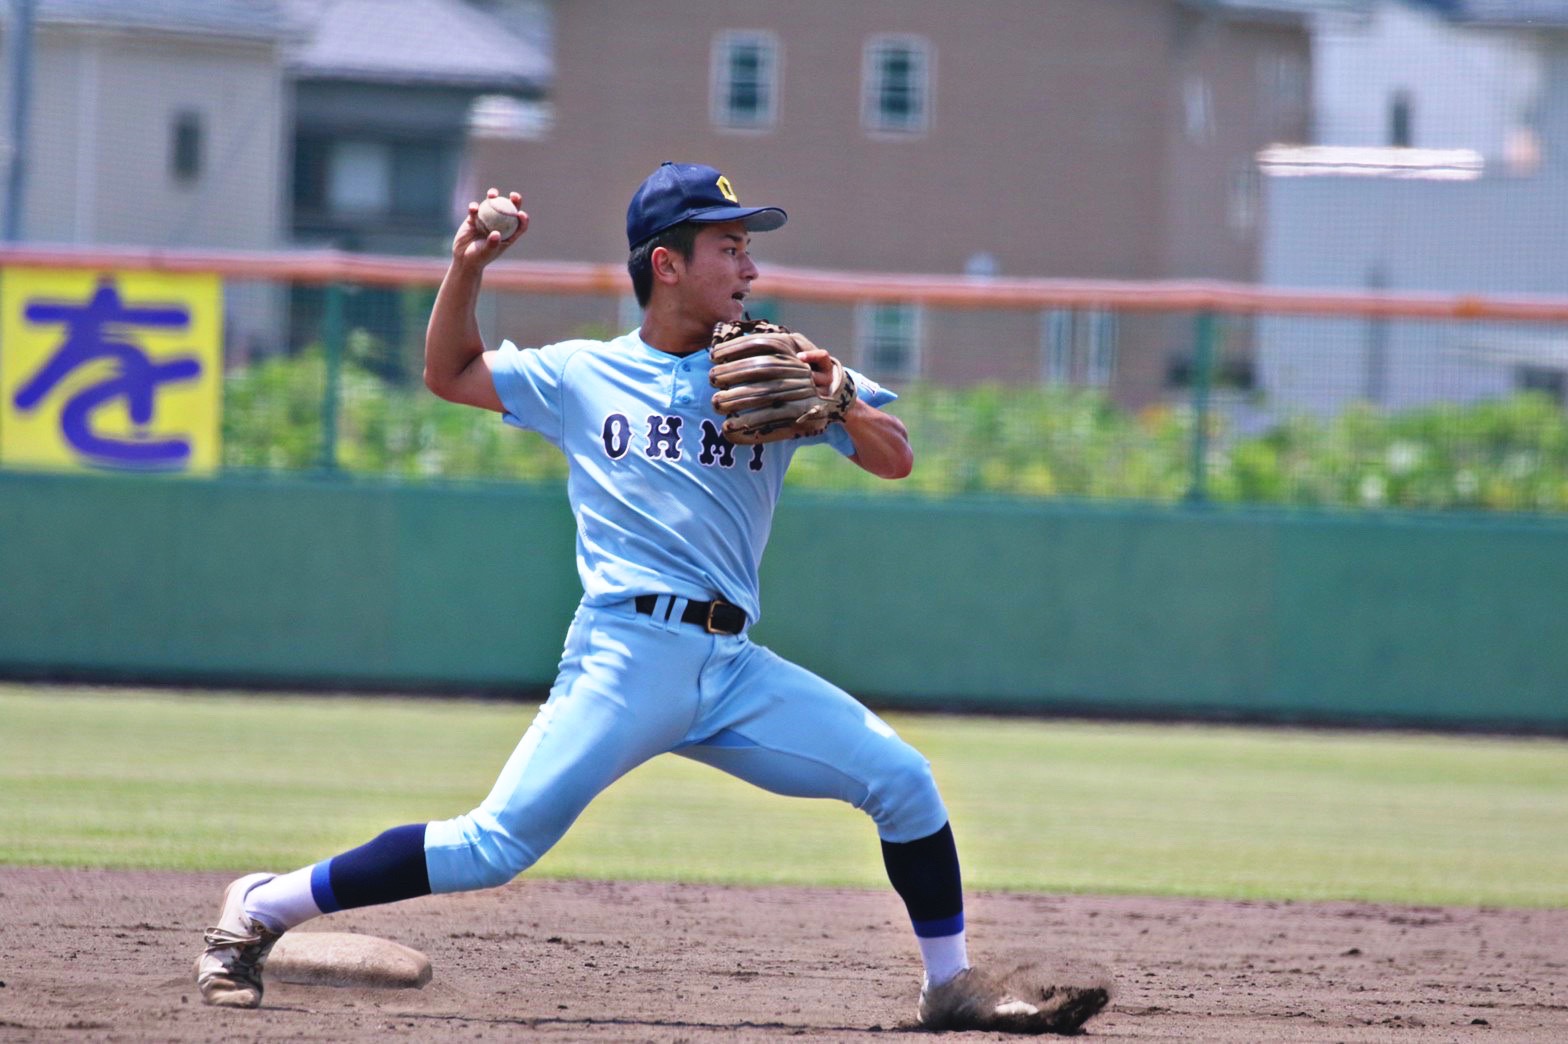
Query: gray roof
[1275, 10]
[427, 42]
[1527, 14]
[257, 19]
[1539, 14]
[446, 43]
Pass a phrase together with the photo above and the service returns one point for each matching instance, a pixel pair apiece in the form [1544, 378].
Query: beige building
[1073, 138]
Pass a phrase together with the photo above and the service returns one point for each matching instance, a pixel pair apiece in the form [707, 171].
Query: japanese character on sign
[107, 375]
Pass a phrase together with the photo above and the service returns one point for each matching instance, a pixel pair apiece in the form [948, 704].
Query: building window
[359, 178]
[1244, 199]
[1230, 367]
[1198, 108]
[1401, 133]
[341, 183]
[1285, 89]
[422, 180]
[1079, 347]
[1058, 347]
[744, 80]
[185, 146]
[896, 85]
[1100, 328]
[889, 340]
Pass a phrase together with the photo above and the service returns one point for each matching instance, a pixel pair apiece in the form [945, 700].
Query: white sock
[283, 902]
[944, 956]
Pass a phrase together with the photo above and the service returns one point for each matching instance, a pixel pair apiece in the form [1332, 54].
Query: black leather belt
[716, 617]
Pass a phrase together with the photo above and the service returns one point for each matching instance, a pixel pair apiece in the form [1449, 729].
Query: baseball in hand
[497, 214]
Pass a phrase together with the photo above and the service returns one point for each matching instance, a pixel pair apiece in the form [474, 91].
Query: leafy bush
[1502, 455]
[273, 420]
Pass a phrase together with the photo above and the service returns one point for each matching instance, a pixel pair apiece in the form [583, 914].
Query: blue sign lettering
[98, 330]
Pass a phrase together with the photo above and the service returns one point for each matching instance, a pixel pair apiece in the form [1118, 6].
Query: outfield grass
[123, 778]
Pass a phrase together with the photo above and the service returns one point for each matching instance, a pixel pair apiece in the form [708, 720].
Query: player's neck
[674, 333]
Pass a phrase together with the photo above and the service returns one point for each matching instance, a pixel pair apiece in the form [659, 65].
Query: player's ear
[666, 264]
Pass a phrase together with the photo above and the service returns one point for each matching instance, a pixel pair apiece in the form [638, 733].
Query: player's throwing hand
[484, 233]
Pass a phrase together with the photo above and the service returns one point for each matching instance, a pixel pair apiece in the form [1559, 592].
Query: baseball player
[673, 502]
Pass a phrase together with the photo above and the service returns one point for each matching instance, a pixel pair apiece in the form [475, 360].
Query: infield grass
[186, 780]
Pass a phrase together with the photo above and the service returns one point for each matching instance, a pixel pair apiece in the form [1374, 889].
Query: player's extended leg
[782, 728]
[625, 692]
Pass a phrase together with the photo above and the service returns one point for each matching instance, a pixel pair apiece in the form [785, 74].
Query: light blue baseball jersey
[664, 504]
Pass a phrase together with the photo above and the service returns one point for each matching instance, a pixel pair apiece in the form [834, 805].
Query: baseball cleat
[973, 1000]
[228, 972]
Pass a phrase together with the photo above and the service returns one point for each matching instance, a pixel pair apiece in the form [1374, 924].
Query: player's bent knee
[468, 853]
[905, 802]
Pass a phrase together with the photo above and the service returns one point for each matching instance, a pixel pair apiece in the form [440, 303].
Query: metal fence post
[1204, 333]
[19, 57]
[332, 353]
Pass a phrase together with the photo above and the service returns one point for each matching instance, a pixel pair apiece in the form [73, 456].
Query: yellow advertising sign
[110, 370]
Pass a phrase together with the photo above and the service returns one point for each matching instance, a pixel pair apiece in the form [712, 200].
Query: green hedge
[1502, 455]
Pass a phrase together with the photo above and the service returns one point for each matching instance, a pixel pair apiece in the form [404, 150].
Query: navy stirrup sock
[385, 869]
[925, 875]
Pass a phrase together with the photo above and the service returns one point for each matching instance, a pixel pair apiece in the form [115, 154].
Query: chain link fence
[1083, 398]
[1026, 389]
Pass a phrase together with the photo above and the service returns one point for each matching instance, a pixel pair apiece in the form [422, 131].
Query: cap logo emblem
[724, 187]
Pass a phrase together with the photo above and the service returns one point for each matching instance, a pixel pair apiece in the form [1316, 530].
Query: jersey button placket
[673, 389]
[684, 392]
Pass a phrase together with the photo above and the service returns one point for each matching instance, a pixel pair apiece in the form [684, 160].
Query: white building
[1406, 74]
[152, 124]
[1441, 165]
[259, 125]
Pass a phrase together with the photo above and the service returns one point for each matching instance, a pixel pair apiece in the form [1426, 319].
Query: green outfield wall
[1430, 620]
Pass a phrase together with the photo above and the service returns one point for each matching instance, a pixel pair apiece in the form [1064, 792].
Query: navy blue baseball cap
[679, 192]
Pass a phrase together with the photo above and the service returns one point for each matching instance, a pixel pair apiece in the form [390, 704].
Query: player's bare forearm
[456, 367]
[454, 348]
[881, 442]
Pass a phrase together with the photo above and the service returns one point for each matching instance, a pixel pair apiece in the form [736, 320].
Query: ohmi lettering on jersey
[664, 441]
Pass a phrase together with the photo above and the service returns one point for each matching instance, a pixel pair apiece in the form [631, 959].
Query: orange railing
[327, 266]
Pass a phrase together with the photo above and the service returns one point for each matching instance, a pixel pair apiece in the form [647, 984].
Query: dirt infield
[98, 955]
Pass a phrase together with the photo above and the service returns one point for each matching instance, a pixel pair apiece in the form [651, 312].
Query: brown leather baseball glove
[765, 390]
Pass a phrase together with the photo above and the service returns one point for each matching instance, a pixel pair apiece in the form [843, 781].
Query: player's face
[717, 279]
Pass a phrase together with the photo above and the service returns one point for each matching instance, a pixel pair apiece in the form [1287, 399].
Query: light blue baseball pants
[633, 686]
